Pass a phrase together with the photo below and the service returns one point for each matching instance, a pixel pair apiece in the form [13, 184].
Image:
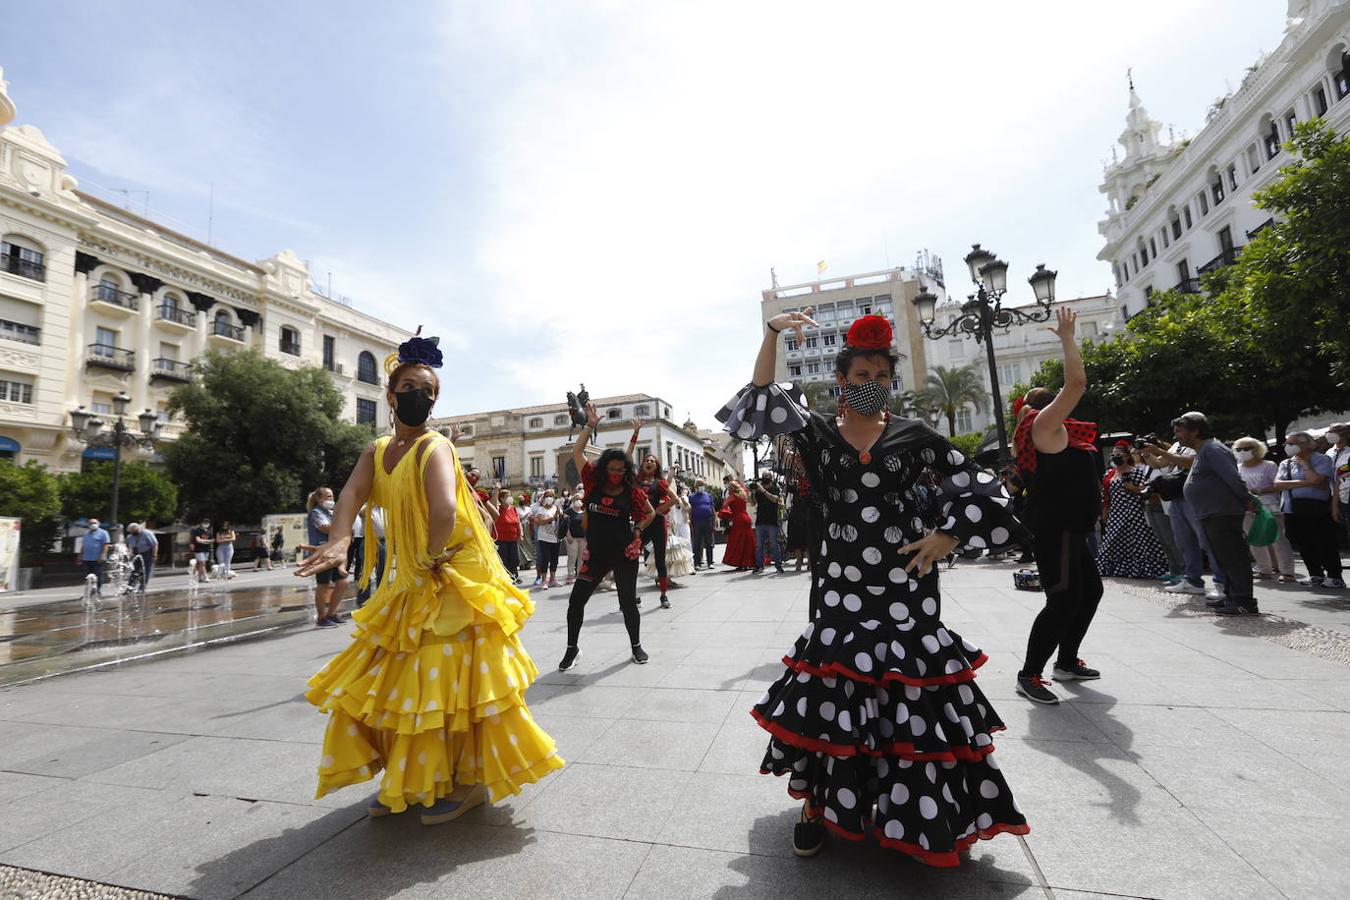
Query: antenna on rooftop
[211, 213]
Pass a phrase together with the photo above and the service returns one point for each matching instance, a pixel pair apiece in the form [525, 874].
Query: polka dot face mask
[868, 398]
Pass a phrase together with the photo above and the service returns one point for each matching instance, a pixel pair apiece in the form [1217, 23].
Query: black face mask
[412, 406]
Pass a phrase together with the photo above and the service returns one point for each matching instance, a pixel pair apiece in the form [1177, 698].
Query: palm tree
[947, 390]
[819, 398]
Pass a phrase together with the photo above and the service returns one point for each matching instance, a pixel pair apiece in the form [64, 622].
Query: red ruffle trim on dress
[958, 753]
[834, 670]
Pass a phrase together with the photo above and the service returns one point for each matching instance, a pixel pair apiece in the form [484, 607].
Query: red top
[508, 524]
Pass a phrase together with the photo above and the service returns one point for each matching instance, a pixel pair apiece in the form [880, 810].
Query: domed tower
[1146, 157]
[689, 424]
[7, 110]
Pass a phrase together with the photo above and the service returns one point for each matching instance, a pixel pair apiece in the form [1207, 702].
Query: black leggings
[1313, 533]
[655, 534]
[510, 554]
[1072, 588]
[593, 571]
[546, 557]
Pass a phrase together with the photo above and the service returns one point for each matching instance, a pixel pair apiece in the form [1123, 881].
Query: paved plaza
[1205, 763]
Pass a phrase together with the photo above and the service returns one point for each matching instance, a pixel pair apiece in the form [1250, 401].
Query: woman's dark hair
[1039, 397]
[844, 360]
[602, 468]
[660, 472]
[401, 368]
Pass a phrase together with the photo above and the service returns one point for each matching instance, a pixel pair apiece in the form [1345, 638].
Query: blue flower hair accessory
[416, 349]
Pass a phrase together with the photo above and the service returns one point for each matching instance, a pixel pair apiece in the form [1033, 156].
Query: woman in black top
[616, 513]
[876, 720]
[1058, 462]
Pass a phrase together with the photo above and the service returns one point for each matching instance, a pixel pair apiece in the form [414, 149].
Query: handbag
[1027, 580]
[1169, 487]
[1265, 530]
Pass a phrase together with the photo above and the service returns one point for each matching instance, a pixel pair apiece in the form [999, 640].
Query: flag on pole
[821, 267]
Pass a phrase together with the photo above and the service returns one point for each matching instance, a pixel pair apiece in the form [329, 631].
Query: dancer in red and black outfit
[651, 479]
[877, 721]
[616, 513]
[1057, 458]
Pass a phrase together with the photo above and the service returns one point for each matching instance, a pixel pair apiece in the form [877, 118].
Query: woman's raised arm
[768, 349]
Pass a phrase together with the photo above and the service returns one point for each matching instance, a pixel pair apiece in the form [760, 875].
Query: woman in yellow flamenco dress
[432, 689]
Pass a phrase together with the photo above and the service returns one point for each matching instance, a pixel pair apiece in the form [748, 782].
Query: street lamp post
[89, 430]
[983, 312]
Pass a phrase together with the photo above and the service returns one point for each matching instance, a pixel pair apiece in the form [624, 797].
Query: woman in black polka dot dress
[876, 720]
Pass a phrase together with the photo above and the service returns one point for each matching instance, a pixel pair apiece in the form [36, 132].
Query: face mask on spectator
[1244, 454]
[1292, 449]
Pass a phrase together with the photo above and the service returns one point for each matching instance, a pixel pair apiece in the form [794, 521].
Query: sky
[596, 191]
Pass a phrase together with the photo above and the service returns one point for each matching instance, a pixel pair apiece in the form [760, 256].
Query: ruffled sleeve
[975, 507]
[773, 409]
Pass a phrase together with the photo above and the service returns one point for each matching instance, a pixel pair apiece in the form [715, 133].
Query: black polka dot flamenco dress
[877, 720]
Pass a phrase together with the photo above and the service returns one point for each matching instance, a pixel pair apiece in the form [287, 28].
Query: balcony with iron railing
[225, 330]
[1260, 228]
[334, 367]
[109, 357]
[175, 315]
[1188, 286]
[17, 331]
[1226, 257]
[170, 370]
[114, 296]
[15, 264]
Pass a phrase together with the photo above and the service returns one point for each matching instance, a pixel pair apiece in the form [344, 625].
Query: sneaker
[780, 569]
[1216, 593]
[1263, 576]
[1288, 579]
[553, 583]
[1311, 581]
[1333, 583]
[447, 810]
[336, 620]
[639, 655]
[1238, 609]
[325, 623]
[808, 836]
[665, 602]
[537, 582]
[1076, 670]
[375, 809]
[569, 659]
[1033, 687]
[755, 571]
[1184, 587]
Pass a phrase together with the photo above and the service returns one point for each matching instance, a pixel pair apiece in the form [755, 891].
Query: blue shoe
[447, 810]
[375, 809]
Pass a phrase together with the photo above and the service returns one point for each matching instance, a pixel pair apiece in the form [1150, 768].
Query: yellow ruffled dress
[432, 688]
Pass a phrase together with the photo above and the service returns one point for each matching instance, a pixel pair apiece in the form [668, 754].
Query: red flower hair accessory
[870, 333]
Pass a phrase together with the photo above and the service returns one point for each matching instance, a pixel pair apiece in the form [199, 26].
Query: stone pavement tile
[285, 718]
[228, 767]
[735, 813]
[618, 802]
[652, 745]
[693, 873]
[996, 868]
[198, 846]
[1158, 849]
[1047, 777]
[1182, 727]
[1334, 692]
[584, 700]
[717, 656]
[1301, 855]
[1030, 721]
[16, 785]
[740, 744]
[717, 678]
[1247, 693]
[1314, 739]
[72, 751]
[573, 734]
[684, 705]
[59, 708]
[65, 804]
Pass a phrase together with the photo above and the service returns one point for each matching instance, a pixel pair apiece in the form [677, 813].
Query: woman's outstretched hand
[928, 550]
[592, 416]
[1065, 323]
[797, 321]
[332, 554]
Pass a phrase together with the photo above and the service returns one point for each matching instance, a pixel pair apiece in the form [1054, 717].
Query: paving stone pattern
[1206, 763]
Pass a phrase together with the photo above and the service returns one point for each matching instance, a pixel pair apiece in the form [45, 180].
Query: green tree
[259, 437]
[29, 492]
[819, 398]
[143, 493]
[970, 443]
[948, 390]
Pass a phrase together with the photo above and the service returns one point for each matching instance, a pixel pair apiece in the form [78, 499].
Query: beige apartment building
[97, 301]
[836, 303]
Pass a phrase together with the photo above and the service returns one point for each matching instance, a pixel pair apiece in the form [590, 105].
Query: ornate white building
[95, 301]
[1178, 209]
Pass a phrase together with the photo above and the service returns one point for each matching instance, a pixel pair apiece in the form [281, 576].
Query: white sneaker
[1184, 587]
[1311, 581]
[1216, 593]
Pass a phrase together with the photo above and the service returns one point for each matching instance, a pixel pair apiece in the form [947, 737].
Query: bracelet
[774, 330]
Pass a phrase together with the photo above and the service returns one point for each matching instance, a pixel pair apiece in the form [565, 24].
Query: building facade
[1178, 209]
[96, 301]
[835, 304]
[532, 445]
[1019, 352]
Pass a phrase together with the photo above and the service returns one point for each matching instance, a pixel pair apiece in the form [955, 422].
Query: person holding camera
[1174, 467]
[1217, 499]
